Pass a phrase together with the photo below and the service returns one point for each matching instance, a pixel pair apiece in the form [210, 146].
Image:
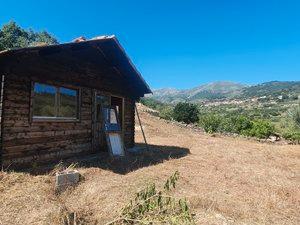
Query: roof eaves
[132, 65]
[95, 39]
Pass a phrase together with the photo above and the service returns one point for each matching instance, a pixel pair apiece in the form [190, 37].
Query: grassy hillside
[225, 180]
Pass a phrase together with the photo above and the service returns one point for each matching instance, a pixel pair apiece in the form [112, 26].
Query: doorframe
[95, 93]
[123, 112]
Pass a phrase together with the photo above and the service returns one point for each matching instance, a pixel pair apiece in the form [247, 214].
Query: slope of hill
[228, 90]
[226, 181]
[215, 90]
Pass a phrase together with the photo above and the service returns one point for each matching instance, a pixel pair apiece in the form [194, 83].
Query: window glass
[68, 102]
[52, 101]
[44, 100]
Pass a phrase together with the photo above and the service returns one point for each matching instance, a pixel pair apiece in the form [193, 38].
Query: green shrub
[186, 112]
[293, 136]
[151, 103]
[166, 112]
[260, 129]
[236, 124]
[210, 123]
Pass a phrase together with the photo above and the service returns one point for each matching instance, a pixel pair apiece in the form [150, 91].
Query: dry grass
[227, 181]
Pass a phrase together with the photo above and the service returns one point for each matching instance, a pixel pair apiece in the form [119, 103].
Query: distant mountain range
[222, 90]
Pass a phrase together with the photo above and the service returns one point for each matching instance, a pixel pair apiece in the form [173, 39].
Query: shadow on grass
[132, 161]
[135, 160]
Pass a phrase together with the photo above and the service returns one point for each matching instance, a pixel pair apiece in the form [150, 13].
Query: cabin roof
[103, 51]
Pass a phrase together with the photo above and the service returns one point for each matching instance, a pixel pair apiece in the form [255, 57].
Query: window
[44, 100]
[53, 102]
[68, 103]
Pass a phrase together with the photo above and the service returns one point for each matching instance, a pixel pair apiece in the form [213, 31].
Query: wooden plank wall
[26, 141]
[1, 104]
[129, 122]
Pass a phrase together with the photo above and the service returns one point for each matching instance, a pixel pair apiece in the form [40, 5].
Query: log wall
[25, 141]
[129, 122]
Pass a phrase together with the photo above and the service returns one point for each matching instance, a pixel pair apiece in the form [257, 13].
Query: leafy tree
[295, 115]
[13, 36]
[186, 112]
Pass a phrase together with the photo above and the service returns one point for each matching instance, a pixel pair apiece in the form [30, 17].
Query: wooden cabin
[51, 97]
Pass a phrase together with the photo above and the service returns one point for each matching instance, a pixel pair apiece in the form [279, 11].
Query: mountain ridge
[226, 90]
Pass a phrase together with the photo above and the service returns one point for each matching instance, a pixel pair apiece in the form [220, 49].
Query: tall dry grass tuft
[64, 216]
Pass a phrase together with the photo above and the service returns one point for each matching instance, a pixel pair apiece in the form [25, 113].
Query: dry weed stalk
[152, 206]
[61, 166]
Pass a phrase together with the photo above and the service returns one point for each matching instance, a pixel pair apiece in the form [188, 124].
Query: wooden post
[2, 91]
[138, 116]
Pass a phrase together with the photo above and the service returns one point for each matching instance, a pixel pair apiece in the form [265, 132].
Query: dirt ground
[227, 180]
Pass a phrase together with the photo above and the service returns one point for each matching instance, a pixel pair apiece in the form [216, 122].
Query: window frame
[57, 104]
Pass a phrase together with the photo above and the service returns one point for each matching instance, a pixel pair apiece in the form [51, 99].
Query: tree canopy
[186, 112]
[13, 36]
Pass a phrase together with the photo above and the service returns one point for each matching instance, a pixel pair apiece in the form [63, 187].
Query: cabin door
[99, 140]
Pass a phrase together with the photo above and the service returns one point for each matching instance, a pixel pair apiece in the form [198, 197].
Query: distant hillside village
[230, 92]
[268, 110]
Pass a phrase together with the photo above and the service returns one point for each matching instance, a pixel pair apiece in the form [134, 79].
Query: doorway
[118, 103]
[105, 101]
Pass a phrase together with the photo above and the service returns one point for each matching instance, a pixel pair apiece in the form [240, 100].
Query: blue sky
[181, 43]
